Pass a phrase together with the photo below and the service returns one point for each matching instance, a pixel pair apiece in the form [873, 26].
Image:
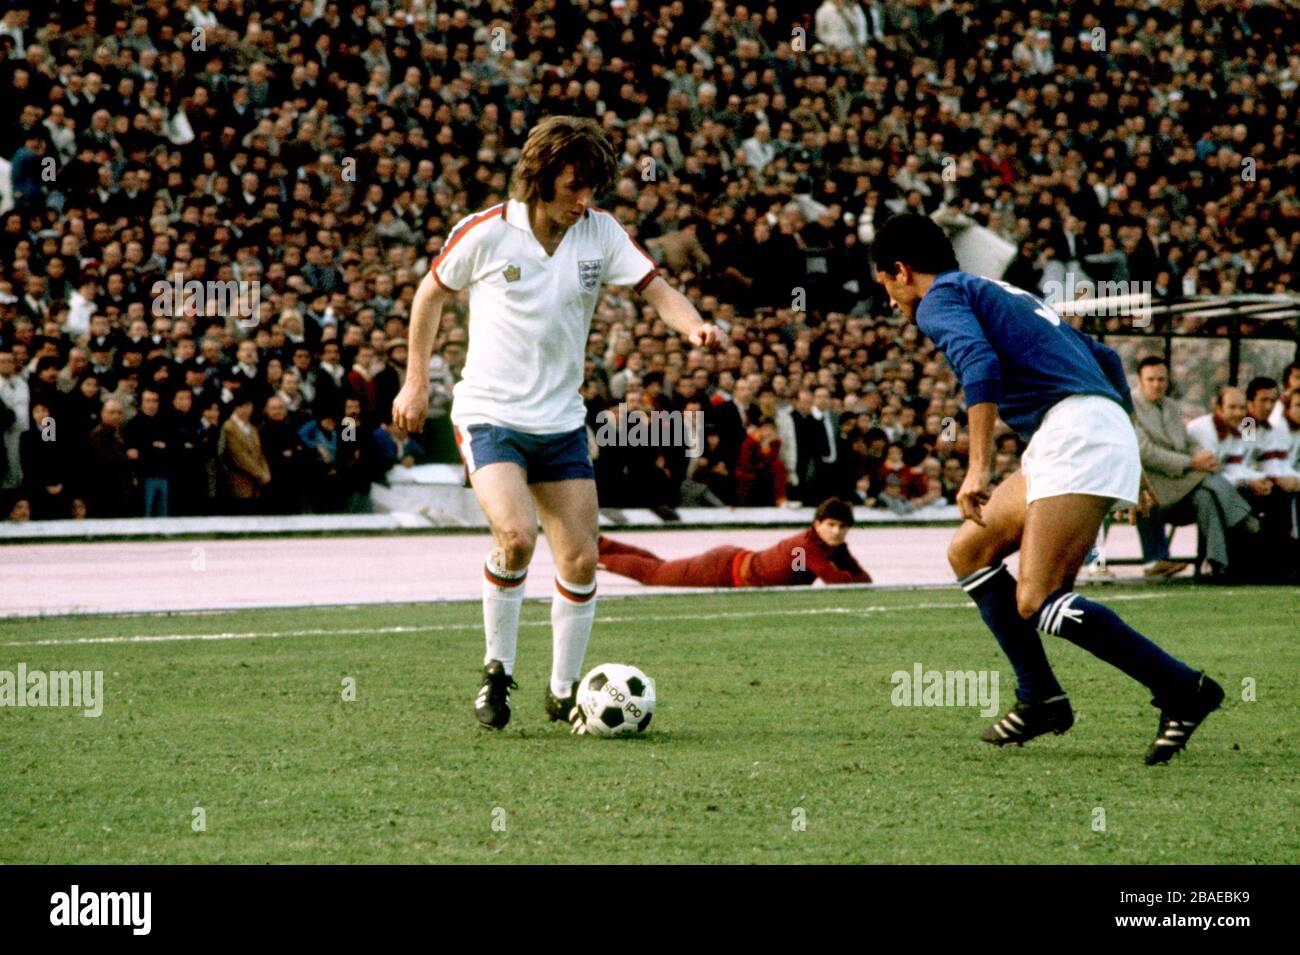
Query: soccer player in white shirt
[534, 267]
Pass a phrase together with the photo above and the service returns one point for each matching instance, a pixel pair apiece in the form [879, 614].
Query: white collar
[516, 214]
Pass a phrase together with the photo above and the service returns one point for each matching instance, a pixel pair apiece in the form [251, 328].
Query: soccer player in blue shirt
[1067, 395]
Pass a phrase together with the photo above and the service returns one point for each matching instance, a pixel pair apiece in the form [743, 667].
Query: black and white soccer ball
[615, 699]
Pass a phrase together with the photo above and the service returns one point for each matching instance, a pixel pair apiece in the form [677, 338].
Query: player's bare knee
[1029, 599]
[967, 554]
[516, 545]
[581, 567]
[959, 557]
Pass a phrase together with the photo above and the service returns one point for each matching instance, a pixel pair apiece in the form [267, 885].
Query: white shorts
[1085, 445]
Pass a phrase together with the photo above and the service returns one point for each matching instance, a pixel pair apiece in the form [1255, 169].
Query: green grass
[763, 708]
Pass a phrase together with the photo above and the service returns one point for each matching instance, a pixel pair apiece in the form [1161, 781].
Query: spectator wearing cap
[101, 360]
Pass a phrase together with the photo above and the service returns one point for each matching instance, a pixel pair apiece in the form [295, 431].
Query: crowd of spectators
[322, 150]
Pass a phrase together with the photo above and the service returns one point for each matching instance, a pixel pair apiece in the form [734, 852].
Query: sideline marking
[438, 628]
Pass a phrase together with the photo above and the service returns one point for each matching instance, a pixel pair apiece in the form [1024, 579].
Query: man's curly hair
[556, 142]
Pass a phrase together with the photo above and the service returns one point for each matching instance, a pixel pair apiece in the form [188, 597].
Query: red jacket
[801, 560]
[756, 469]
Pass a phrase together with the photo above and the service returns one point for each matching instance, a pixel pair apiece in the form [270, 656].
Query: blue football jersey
[1009, 347]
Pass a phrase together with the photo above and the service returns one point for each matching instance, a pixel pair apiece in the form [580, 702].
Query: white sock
[503, 598]
[573, 608]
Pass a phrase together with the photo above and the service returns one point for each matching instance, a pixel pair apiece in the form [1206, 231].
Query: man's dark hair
[1259, 384]
[915, 240]
[834, 509]
[1152, 361]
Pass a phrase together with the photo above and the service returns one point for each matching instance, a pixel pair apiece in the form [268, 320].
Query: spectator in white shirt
[1221, 433]
[841, 25]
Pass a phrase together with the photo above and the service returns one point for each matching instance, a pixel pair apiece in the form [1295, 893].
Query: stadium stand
[303, 162]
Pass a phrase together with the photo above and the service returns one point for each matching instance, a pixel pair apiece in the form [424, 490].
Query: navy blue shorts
[544, 457]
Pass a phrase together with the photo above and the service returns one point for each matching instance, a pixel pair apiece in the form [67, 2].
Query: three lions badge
[589, 274]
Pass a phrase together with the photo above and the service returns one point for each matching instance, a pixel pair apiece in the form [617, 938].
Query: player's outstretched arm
[681, 316]
[412, 402]
[841, 569]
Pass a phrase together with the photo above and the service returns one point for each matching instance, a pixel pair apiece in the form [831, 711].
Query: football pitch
[347, 735]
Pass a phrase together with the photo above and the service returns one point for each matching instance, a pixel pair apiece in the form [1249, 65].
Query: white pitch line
[436, 628]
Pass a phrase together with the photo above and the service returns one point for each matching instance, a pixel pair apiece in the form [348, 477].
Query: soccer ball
[615, 699]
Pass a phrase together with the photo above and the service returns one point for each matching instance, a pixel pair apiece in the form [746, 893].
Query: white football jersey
[529, 313]
[1272, 449]
[1229, 446]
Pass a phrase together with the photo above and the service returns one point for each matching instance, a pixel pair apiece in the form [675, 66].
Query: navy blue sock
[994, 591]
[1101, 632]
